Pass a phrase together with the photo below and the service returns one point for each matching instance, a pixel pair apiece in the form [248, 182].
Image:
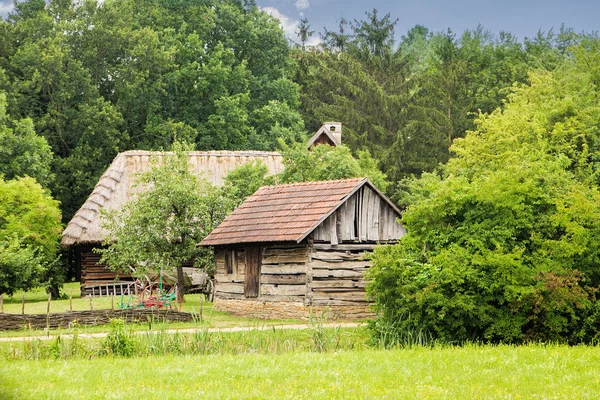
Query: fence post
[91, 305]
[201, 303]
[48, 307]
[70, 299]
[23, 303]
[1, 303]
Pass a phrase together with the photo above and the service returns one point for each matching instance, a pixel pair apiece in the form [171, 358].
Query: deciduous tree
[159, 229]
[29, 232]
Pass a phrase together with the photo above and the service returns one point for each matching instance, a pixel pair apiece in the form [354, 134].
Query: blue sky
[523, 18]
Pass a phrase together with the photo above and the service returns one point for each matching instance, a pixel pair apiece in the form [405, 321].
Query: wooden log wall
[230, 285]
[283, 273]
[338, 275]
[97, 279]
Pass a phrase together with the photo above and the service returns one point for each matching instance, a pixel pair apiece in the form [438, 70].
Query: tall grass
[122, 341]
[386, 335]
[322, 339]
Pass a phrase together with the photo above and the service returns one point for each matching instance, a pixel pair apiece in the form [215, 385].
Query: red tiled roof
[283, 213]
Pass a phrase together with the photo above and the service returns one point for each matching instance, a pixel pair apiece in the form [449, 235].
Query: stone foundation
[287, 310]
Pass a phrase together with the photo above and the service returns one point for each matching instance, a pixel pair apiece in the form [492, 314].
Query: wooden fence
[90, 317]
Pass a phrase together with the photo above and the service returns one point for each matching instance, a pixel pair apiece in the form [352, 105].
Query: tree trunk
[54, 290]
[180, 284]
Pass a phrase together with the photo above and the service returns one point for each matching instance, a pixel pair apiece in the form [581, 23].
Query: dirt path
[187, 330]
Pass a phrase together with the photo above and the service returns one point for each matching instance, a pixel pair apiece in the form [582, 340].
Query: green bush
[119, 341]
[503, 244]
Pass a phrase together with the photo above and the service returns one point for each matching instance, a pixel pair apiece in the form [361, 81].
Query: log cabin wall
[295, 281]
[337, 275]
[282, 272]
[96, 278]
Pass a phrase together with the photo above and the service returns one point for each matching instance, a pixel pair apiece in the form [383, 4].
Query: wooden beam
[283, 269]
[230, 287]
[284, 279]
[283, 290]
[338, 283]
[345, 247]
[344, 274]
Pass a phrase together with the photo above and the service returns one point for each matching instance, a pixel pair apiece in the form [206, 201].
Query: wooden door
[252, 278]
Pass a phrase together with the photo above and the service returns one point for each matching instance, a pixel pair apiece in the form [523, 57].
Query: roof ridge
[130, 153]
[308, 183]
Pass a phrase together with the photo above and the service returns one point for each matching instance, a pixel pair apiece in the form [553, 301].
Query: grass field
[471, 372]
[315, 363]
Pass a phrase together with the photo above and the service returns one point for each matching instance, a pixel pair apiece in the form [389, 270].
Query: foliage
[244, 180]
[22, 152]
[119, 341]
[327, 162]
[407, 101]
[503, 246]
[99, 77]
[29, 231]
[122, 341]
[159, 229]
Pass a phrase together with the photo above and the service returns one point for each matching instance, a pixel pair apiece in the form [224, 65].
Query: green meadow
[145, 361]
[469, 372]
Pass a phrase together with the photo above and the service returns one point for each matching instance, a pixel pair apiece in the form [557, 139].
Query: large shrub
[503, 245]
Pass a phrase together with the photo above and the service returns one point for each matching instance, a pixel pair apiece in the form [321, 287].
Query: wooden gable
[364, 217]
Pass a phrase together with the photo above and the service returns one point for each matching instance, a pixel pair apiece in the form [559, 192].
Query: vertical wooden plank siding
[362, 214]
[338, 225]
[364, 217]
[348, 217]
[374, 209]
[333, 238]
[252, 278]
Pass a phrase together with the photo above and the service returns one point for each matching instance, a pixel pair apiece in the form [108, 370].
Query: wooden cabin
[290, 250]
[116, 187]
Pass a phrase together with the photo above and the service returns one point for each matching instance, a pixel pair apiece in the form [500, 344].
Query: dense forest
[81, 81]
[93, 79]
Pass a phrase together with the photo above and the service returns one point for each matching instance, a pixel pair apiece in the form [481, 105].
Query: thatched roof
[115, 187]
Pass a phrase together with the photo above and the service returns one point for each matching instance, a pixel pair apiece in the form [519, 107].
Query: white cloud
[302, 4]
[6, 8]
[290, 26]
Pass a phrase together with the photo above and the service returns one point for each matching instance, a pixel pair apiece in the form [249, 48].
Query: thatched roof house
[116, 187]
[292, 249]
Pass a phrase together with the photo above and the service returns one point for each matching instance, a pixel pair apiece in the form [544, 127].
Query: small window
[230, 261]
[332, 128]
